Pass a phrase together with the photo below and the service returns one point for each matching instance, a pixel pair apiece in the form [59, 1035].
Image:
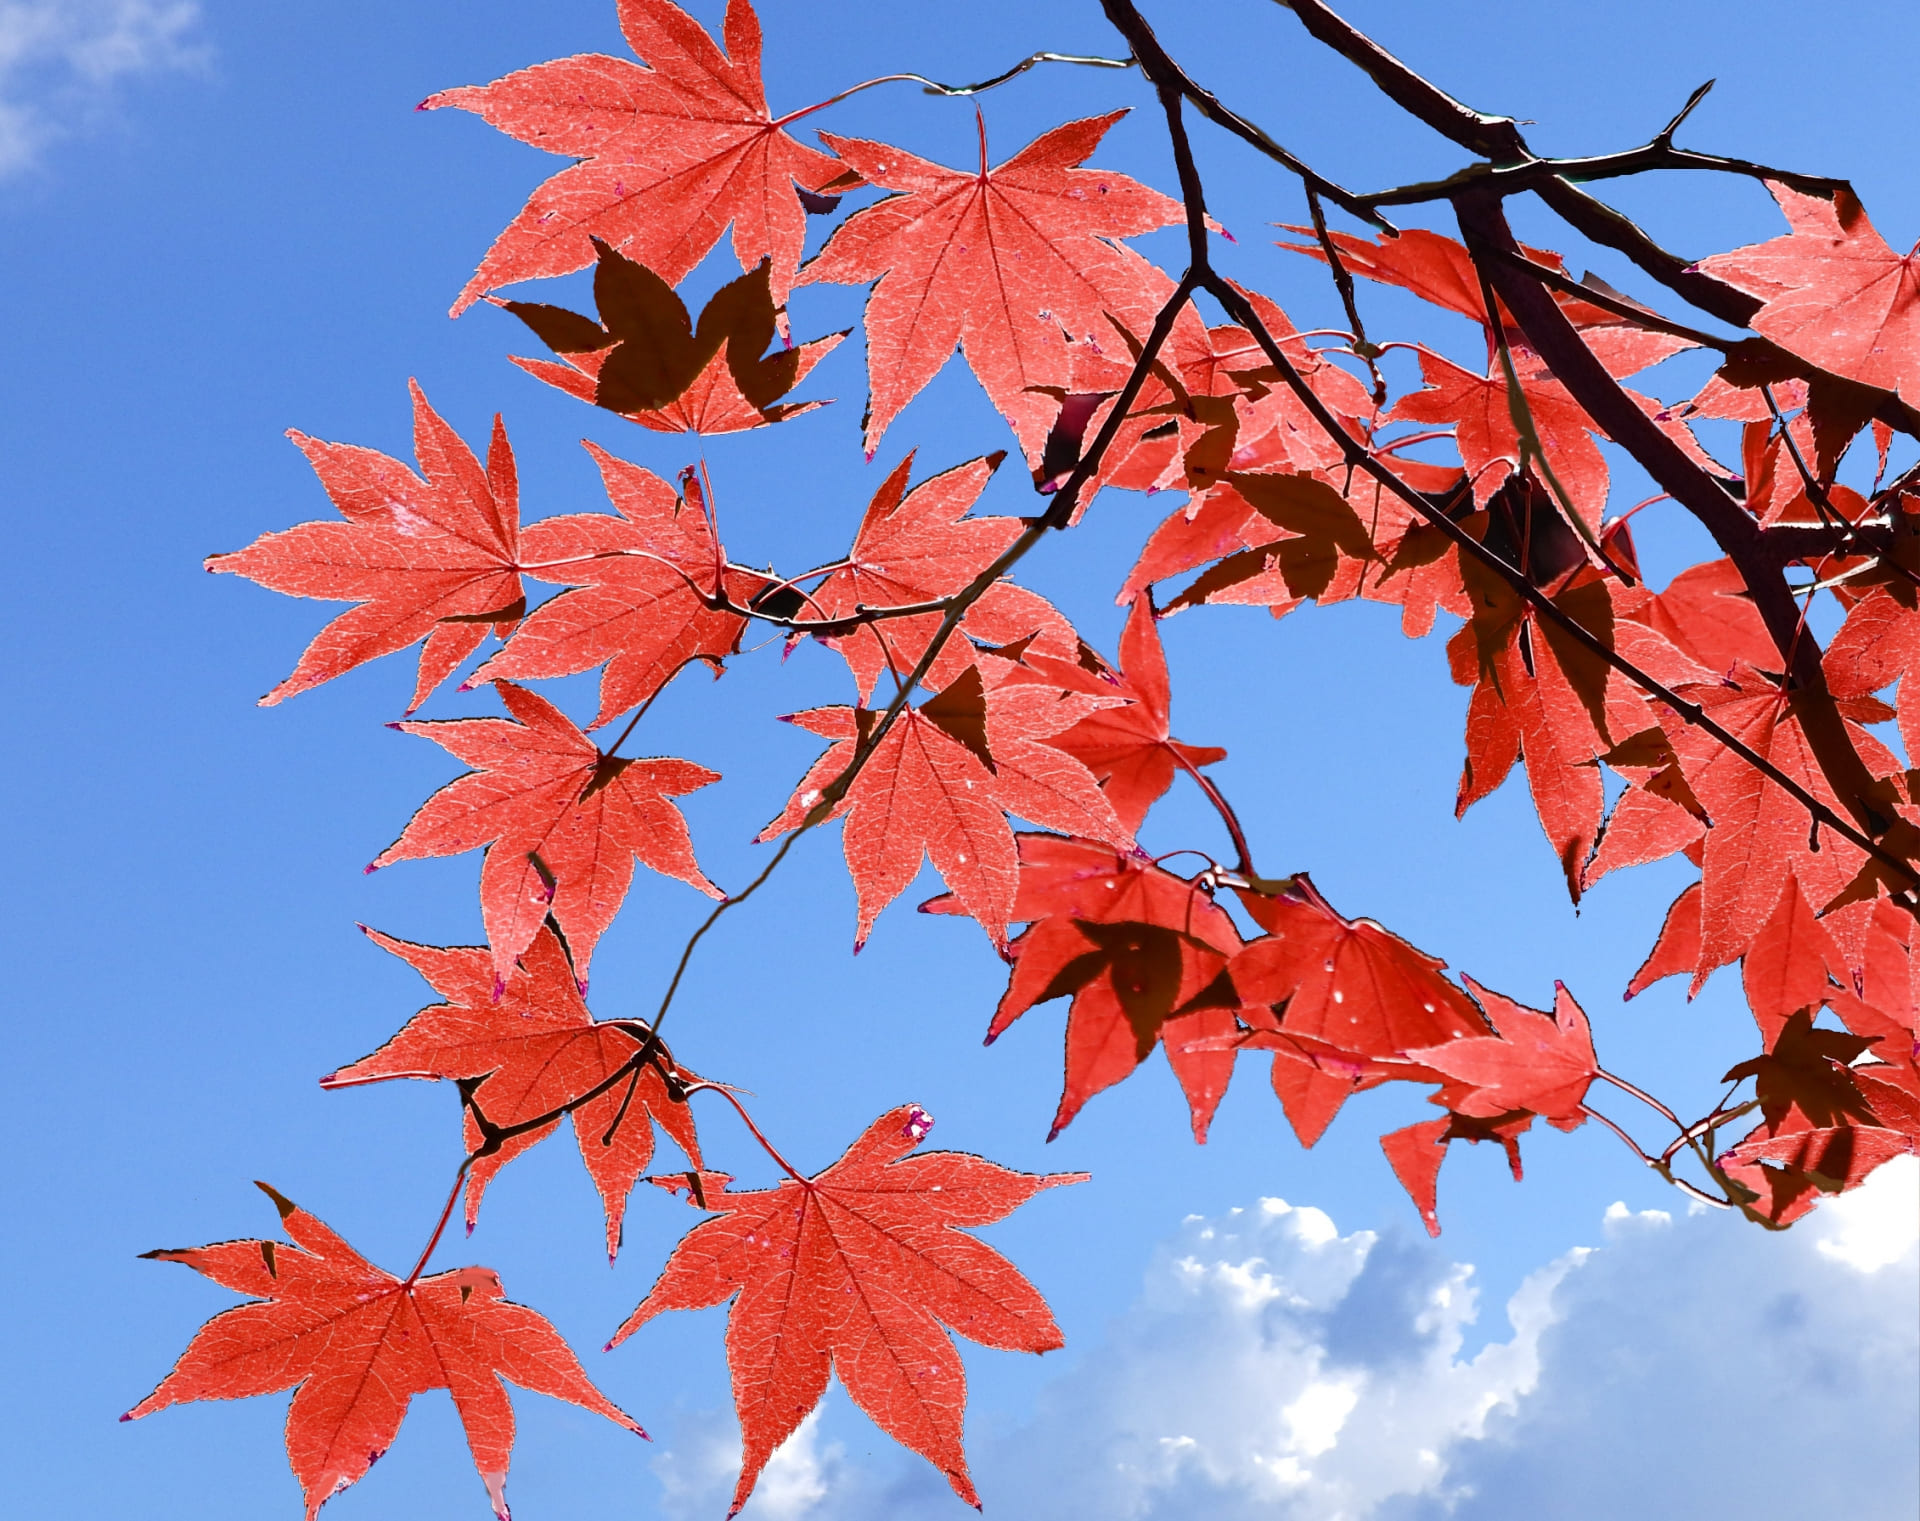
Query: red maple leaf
[1707, 614]
[647, 360]
[1416, 1152]
[528, 1053]
[1129, 749]
[1789, 1171]
[1537, 693]
[641, 605]
[1878, 645]
[927, 792]
[918, 546]
[561, 821]
[1760, 832]
[1832, 291]
[359, 1343]
[1540, 1062]
[1346, 983]
[1142, 953]
[1438, 270]
[431, 559]
[1007, 262]
[668, 153]
[855, 1270]
[1787, 967]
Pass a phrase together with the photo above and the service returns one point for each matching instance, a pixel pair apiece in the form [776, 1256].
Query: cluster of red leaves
[957, 733]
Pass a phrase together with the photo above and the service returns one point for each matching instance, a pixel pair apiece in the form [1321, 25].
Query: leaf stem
[934, 87]
[439, 1229]
[747, 1120]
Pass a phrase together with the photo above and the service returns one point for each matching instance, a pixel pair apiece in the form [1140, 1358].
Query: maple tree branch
[1343, 283]
[1358, 457]
[1628, 311]
[1602, 398]
[1498, 139]
[1510, 179]
[1493, 137]
[1158, 65]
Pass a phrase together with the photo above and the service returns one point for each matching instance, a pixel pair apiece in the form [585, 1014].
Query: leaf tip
[281, 1202]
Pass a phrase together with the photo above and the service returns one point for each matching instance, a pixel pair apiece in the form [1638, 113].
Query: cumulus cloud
[1274, 1368]
[62, 60]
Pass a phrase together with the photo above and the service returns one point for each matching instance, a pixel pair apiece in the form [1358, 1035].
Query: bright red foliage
[1739, 748]
[358, 1343]
[562, 822]
[1008, 262]
[1833, 292]
[529, 1051]
[668, 154]
[431, 559]
[855, 1270]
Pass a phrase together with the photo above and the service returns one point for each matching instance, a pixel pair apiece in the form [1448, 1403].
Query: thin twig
[1158, 65]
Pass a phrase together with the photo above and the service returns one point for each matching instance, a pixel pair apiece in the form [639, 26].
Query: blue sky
[222, 220]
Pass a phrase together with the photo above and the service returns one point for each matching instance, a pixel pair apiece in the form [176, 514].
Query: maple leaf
[1677, 949]
[926, 791]
[1416, 1152]
[1760, 832]
[1708, 615]
[357, 1343]
[648, 361]
[1347, 983]
[668, 153]
[1832, 291]
[1142, 953]
[430, 559]
[1878, 645]
[1438, 270]
[856, 1270]
[643, 583]
[1539, 1062]
[919, 546]
[1796, 1167]
[561, 821]
[1537, 693]
[1007, 262]
[1316, 529]
[1786, 968]
[1806, 1069]
[1129, 749]
[1479, 408]
[533, 1050]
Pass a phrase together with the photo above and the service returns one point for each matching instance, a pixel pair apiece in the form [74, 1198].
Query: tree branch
[1160, 67]
[1552, 336]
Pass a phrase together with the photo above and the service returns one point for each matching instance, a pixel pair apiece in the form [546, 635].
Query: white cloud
[1876, 1226]
[1276, 1369]
[60, 61]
